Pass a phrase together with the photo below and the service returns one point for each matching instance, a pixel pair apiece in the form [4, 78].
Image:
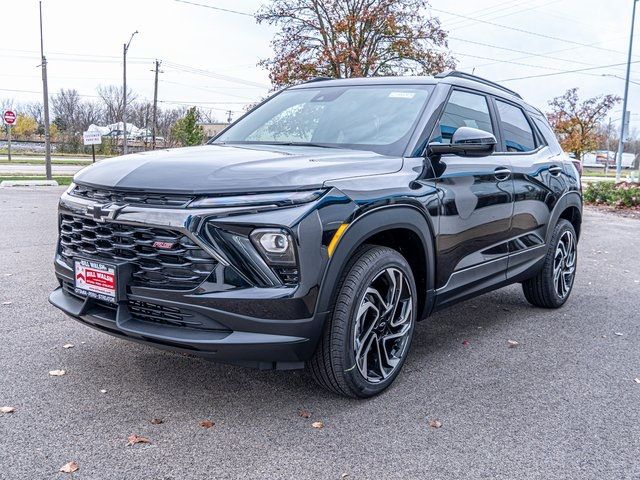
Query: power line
[227, 10]
[521, 30]
[464, 25]
[565, 72]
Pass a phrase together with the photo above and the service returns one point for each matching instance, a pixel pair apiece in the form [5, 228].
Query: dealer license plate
[96, 280]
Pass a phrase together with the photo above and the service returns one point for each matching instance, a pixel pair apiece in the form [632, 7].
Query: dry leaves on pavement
[156, 421]
[206, 424]
[512, 343]
[7, 409]
[69, 467]
[304, 413]
[637, 380]
[465, 342]
[68, 345]
[133, 439]
[317, 425]
[435, 423]
[57, 373]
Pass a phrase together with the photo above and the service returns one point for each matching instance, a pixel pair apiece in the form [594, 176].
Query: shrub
[622, 195]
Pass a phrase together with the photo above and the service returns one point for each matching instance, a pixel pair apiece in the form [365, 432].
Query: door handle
[502, 173]
[555, 170]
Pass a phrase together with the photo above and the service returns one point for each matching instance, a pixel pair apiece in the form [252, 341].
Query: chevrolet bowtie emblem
[101, 213]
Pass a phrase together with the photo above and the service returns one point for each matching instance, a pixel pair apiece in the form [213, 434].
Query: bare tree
[140, 114]
[66, 105]
[112, 99]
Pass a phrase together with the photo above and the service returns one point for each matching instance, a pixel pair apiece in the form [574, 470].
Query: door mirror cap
[466, 142]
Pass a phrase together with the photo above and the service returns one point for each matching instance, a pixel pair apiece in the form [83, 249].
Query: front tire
[551, 287]
[367, 339]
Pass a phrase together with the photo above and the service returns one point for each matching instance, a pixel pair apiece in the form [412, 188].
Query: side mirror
[466, 142]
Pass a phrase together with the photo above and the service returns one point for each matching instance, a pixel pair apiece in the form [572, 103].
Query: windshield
[380, 118]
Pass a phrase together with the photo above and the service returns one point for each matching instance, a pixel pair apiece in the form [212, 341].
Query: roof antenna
[473, 71]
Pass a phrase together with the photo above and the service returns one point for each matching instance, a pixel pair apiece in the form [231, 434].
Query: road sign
[92, 138]
[9, 117]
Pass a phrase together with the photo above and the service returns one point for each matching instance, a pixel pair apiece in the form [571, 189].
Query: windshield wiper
[294, 144]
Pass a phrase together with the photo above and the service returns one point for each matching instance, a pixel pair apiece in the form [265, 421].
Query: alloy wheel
[382, 328]
[564, 264]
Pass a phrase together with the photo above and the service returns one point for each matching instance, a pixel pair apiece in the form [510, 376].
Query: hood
[234, 169]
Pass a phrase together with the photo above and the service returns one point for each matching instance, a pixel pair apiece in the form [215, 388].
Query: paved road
[563, 404]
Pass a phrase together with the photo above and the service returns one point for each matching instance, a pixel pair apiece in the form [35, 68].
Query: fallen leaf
[465, 342]
[317, 425]
[7, 409]
[206, 424]
[156, 421]
[512, 343]
[637, 380]
[69, 467]
[304, 413]
[133, 439]
[68, 345]
[7, 303]
[619, 334]
[435, 423]
[103, 391]
[344, 475]
[57, 373]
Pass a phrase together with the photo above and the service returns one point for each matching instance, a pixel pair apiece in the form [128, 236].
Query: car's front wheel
[367, 338]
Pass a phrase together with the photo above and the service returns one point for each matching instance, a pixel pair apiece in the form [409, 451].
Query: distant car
[321, 226]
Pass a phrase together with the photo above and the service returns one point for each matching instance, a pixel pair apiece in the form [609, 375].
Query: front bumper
[226, 318]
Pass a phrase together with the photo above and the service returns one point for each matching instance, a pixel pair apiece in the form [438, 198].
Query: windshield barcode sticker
[402, 95]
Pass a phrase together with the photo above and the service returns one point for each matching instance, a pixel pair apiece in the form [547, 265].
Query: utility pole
[45, 101]
[155, 105]
[124, 93]
[626, 97]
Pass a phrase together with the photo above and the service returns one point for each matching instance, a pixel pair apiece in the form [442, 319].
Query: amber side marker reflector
[336, 238]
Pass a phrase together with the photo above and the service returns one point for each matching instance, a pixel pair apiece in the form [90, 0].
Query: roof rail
[318, 79]
[474, 78]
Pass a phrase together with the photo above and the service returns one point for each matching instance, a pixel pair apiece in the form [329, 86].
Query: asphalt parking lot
[562, 404]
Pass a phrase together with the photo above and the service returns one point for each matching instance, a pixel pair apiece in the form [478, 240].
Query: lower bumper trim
[260, 350]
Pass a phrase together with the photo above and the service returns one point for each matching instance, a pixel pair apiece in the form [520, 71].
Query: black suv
[319, 227]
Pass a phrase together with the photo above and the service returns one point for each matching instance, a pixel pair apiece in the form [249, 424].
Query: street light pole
[124, 93]
[626, 97]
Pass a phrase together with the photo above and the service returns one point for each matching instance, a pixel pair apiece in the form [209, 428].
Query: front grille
[131, 198]
[151, 312]
[183, 266]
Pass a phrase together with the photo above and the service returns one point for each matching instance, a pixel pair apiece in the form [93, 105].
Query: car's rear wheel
[367, 338]
[551, 287]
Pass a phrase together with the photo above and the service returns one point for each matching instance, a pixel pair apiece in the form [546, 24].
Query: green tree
[353, 38]
[186, 130]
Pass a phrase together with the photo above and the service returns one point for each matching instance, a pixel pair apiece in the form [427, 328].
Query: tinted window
[377, 118]
[464, 109]
[517, 132]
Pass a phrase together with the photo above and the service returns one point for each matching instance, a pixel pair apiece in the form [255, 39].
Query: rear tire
[551, 287]
[367, 338]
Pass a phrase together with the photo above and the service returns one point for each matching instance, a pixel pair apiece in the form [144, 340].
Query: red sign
[98, 278]
[9, 117]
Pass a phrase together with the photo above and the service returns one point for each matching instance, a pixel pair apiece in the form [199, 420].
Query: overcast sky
[83, 44]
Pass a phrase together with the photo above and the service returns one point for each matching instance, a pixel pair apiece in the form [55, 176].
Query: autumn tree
[353, 38]
[576, 122]
[186, 131]
[25, 126]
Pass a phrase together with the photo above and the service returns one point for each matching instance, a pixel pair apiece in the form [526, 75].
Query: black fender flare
[372, 222]
[569, 199]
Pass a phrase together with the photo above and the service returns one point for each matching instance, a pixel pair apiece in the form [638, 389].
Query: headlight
[279, 199]
[275, 245]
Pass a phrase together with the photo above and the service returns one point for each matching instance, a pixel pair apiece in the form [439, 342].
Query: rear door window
[516, 130]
